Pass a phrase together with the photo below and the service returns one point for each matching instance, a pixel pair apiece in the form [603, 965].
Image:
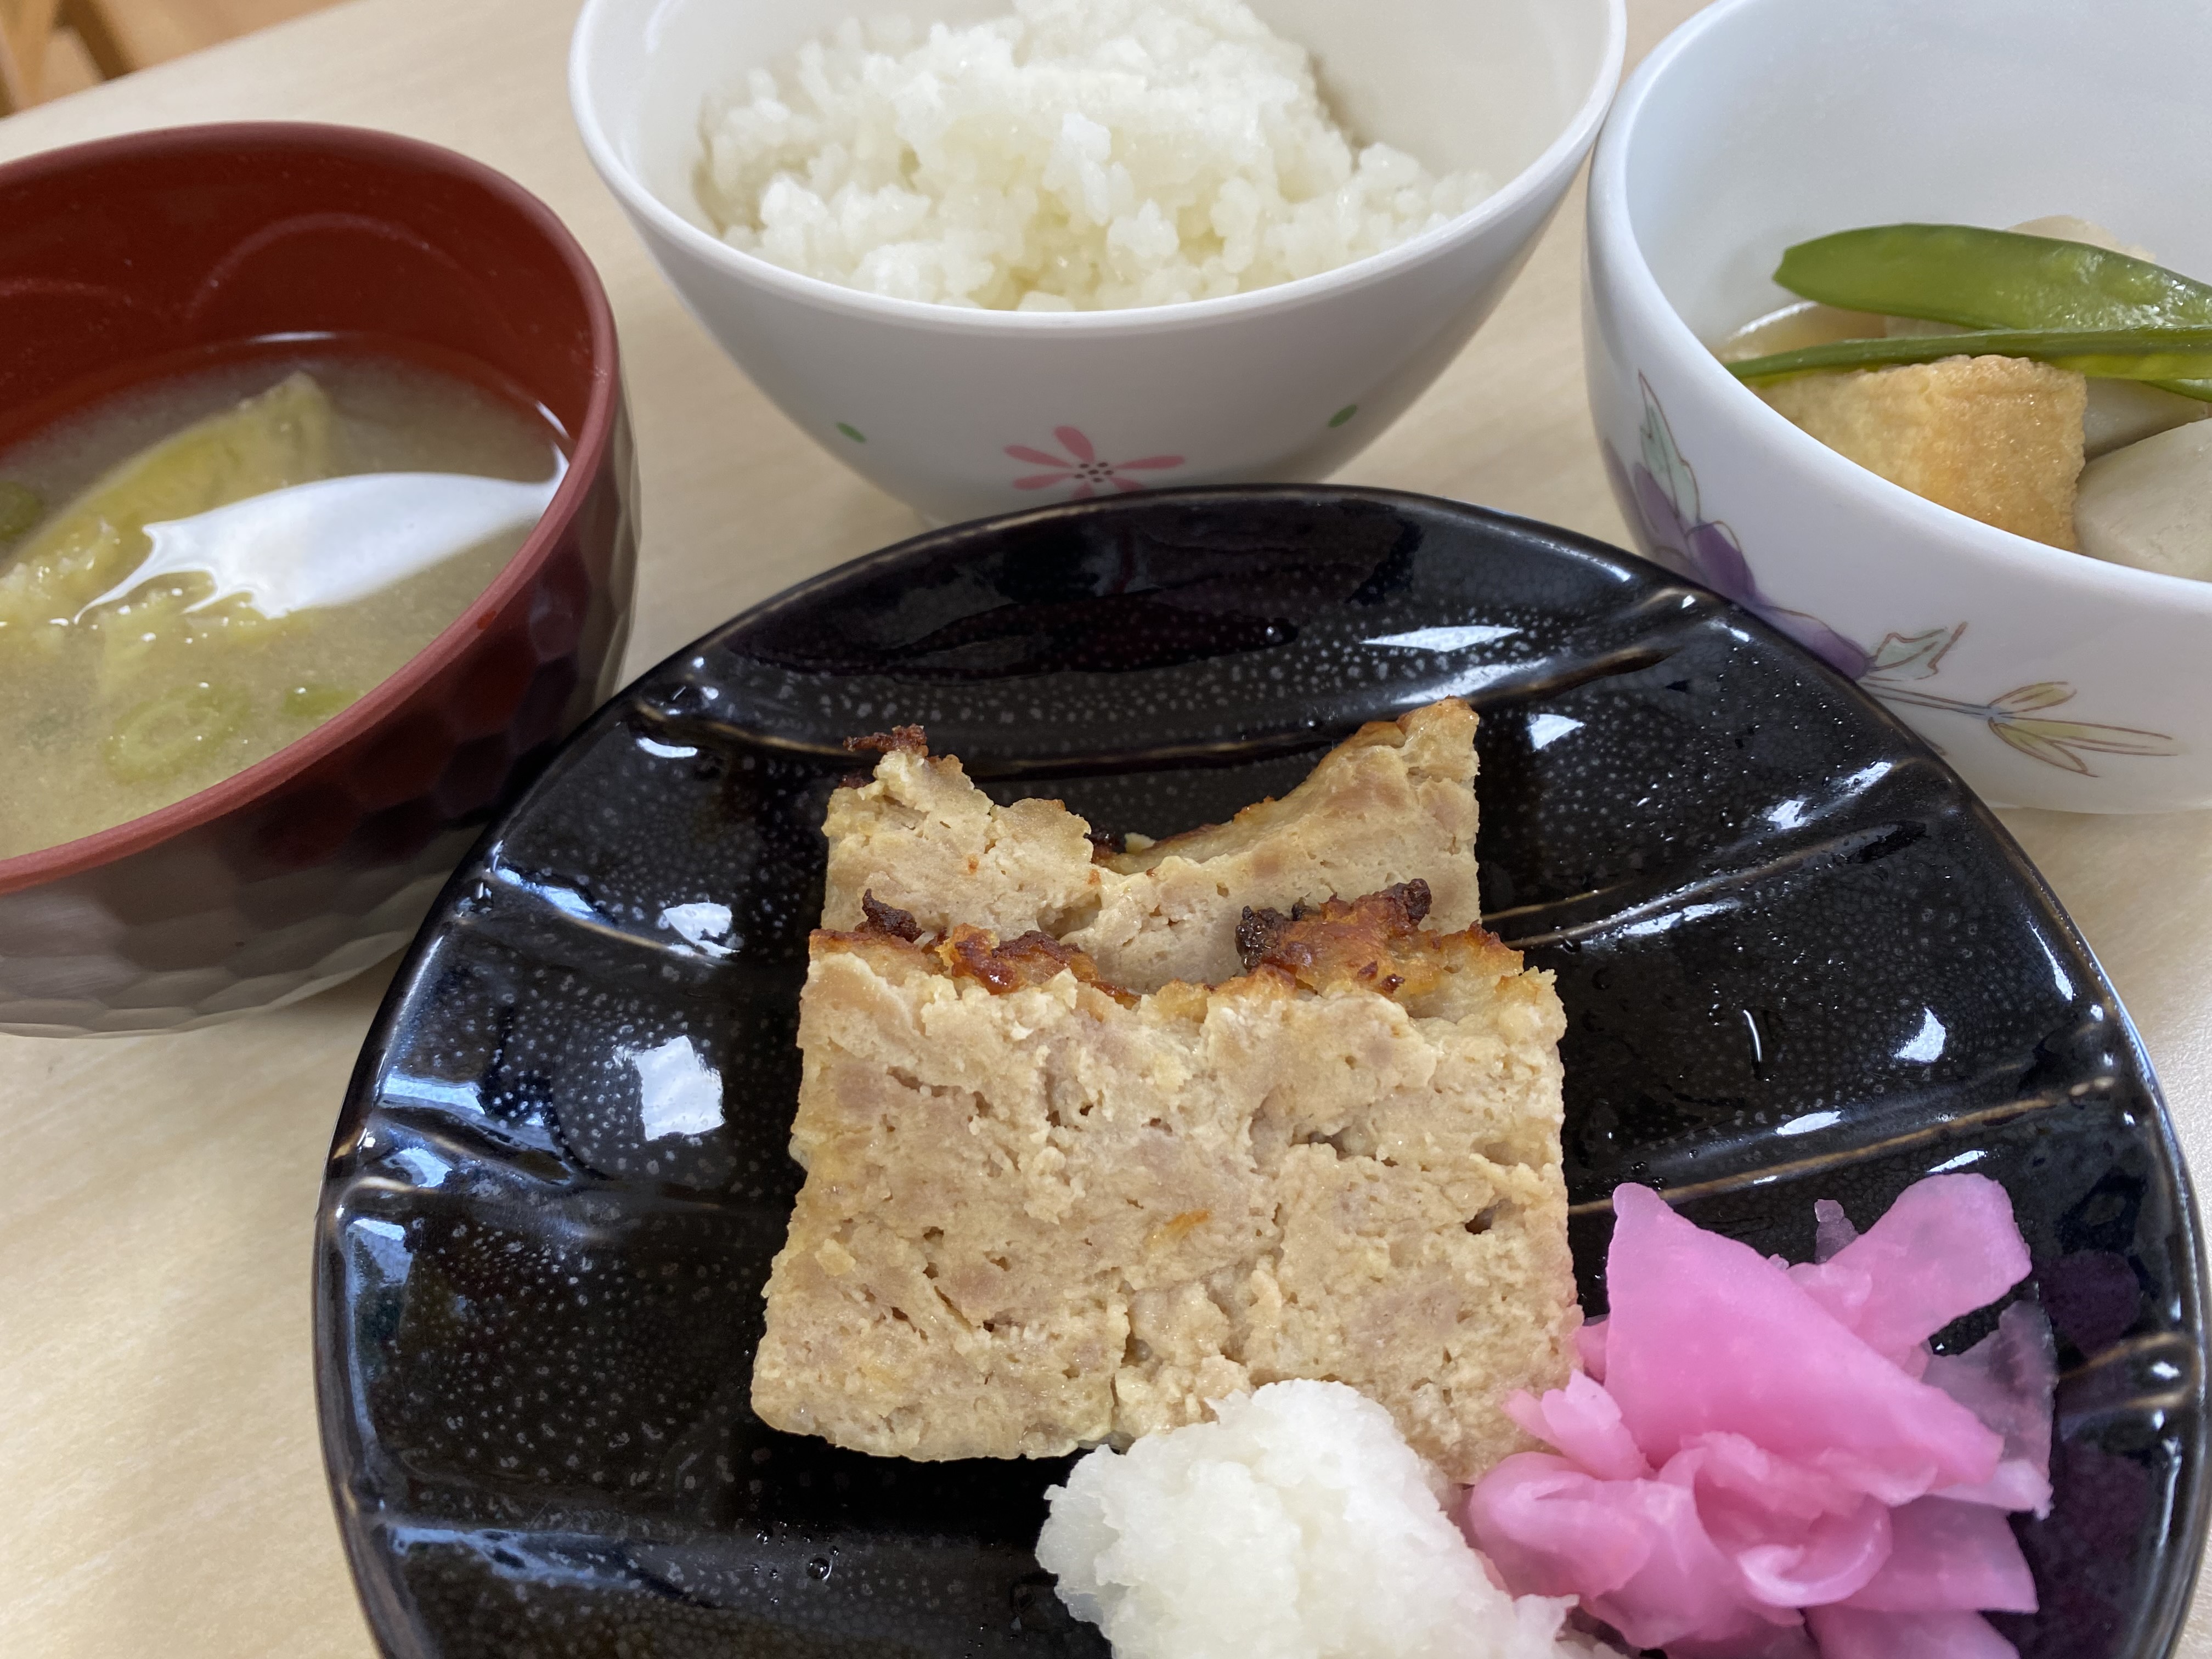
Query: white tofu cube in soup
[2150, 504]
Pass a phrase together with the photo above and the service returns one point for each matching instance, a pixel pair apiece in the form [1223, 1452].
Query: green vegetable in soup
[1997, 279]
[282, 436]
[159, 738]
[19, 509]
[1990, 279]
[136, 666]
[2160, 355]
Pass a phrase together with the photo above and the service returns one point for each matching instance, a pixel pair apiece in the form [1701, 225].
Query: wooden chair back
[26, 26]
[48, 47]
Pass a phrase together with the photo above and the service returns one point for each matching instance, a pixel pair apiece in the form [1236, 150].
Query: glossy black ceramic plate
[1798, 959]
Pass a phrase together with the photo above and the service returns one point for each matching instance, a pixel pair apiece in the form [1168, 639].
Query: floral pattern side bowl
[964, 413]
[2046, 677]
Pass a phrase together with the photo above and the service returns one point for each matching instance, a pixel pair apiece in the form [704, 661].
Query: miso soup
[197, 571]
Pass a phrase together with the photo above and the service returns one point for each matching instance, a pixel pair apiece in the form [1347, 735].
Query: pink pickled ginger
[1947, 1247]
[1766, 1461]
[1708, 1336]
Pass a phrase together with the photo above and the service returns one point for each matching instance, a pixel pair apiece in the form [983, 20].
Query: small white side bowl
[1286, 383]
[2046, 677]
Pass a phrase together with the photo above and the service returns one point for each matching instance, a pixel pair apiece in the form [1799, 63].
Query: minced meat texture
[1043, 1212]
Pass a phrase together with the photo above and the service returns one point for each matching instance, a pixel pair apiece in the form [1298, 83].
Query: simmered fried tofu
[1043, 1212]
[1393, 803]
[1998, 438]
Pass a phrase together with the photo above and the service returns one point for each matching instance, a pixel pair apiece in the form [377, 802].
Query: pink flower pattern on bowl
[1081, 469]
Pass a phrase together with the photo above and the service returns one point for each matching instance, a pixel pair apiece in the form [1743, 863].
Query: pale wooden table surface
[163, 1492]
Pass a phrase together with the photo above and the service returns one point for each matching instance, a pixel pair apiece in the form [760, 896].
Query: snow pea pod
[1976, 278]
[2166, 356]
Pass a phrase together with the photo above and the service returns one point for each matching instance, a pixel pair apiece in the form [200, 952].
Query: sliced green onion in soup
[161, 736]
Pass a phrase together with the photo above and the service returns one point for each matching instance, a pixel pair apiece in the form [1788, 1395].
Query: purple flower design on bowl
[1081, 467]
[1660, 492]
[1659, 495]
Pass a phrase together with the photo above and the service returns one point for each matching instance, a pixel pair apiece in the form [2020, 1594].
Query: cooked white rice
[1079, 154]
[1298, 1526]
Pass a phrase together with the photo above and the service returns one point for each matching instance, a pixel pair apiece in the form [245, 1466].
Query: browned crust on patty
[1393, 804]
[899, 740]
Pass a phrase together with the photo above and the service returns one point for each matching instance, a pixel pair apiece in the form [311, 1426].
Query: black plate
[1799, 960]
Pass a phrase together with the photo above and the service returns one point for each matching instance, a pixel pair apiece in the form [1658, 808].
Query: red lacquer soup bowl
[119, 260]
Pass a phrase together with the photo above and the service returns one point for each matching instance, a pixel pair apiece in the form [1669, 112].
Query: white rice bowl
[1078, 154]
[1297, 1525]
